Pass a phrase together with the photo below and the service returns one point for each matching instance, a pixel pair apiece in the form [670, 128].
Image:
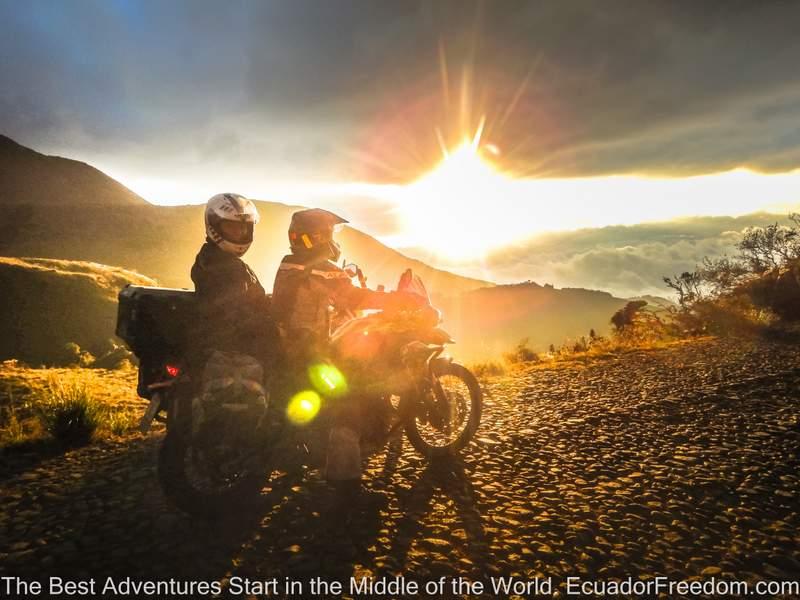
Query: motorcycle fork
[428, 382]
[440, 406]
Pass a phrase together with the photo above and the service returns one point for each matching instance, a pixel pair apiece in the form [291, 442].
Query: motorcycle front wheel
[192, 482]
[445, 418]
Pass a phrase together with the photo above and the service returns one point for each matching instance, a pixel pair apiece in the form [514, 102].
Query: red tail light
[172, 370]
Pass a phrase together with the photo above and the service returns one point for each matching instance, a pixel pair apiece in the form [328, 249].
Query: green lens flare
[303, 407]
[327, 380]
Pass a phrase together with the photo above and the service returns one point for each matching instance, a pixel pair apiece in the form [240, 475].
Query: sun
[447, 207]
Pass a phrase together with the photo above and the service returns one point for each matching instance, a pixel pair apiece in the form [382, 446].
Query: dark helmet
[311, 230]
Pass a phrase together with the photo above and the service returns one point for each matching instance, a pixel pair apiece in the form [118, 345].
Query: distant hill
[28, 177]
[51, 210]
[487, 322]
[161, 241]
[46, 304]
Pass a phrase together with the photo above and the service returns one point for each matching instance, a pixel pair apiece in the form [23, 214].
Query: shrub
[582, 345]
[778, 291]
[521, 354]
[487, 369]
[73, 356]
[747, 292]
[118, 357]
[70, 412]
[634, 325]
[626, 315]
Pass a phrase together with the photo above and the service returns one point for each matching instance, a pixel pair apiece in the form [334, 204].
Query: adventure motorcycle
[437, 401]
[227, 430]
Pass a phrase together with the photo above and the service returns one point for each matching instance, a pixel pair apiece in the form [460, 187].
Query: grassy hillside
[48, 303]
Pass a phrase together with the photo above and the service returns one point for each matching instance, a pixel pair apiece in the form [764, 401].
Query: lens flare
[303, 407]
[327, 380]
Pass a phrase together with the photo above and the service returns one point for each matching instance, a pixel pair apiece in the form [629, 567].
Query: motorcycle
[436, 401]
[229, 427]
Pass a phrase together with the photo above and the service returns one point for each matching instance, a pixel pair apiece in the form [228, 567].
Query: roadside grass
[64, 407]
[571, 353]
[69, 412]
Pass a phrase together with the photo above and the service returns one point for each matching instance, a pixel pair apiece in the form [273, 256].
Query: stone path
[681, 462]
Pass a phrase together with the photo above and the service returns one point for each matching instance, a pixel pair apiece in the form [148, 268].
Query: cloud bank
[625, 260]
[356, 90]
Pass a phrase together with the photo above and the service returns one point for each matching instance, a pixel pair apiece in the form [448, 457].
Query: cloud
[357, 89]
[625, 260]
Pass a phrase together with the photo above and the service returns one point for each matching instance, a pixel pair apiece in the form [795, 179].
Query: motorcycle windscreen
[409, 282]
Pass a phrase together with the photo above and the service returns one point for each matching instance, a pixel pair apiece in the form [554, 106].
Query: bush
[487, 369]
[521, 354]
[778, 291]
[626, 316]
[747, 292]
[582, 345]
[118, 357]
[70, 412]
[73, 356]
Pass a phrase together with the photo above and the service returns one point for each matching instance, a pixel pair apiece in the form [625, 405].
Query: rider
[308, 285]
[233, 309]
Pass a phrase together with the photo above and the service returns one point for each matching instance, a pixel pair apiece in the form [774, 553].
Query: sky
[501, 120]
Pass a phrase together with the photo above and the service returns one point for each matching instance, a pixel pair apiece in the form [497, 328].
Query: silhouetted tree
[763, 279]
[770, 247]
[688, 285]
[723, 274]
[625, 316]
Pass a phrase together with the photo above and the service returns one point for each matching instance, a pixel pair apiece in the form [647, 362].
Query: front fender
[439, 361]
[437, 335]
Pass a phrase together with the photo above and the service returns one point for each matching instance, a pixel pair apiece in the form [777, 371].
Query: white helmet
[230, 207]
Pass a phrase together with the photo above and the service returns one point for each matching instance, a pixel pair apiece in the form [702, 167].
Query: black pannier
[155, 321]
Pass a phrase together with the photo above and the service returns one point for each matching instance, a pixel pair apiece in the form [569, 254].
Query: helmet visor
[236, 232]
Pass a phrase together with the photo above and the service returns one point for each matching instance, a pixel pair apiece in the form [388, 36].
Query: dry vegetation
[754, 294]
[66, 406]
[109, 279]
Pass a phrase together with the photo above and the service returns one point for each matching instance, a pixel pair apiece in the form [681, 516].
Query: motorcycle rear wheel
[463, 383]
[175, 453]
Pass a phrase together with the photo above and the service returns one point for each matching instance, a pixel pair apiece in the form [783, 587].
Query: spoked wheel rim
[444, 413]
[219, 473]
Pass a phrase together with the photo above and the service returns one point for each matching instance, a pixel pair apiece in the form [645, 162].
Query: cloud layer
[356, 90]
[625, 260]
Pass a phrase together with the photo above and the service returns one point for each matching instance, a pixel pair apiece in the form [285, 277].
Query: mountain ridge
[162, 241]
[29, 177]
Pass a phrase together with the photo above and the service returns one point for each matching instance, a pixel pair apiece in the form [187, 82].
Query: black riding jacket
[233, 308]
